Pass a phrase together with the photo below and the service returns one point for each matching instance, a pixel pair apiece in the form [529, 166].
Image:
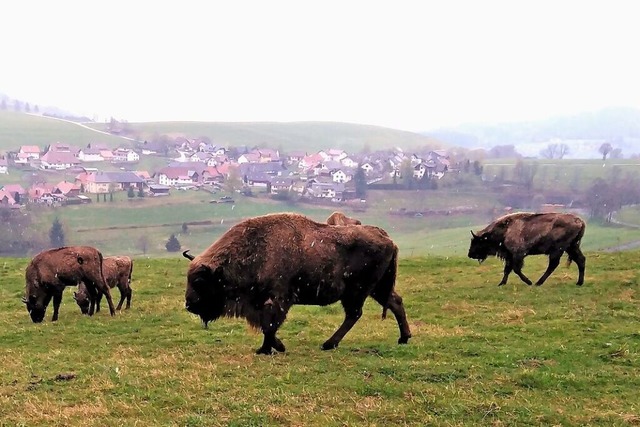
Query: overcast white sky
[413, 65]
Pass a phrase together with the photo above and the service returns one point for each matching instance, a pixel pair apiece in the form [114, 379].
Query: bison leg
[98, 301]
[397, 308]
[508, 266]
[554, 261]
[93, 297]
[123, 295]
[352, 311]
[129, 292]
[517, 268]
[271, 317]
[57, 299]
[105, 290]
[575, 254]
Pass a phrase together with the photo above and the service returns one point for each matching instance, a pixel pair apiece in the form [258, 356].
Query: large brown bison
[264, 265]
[338, 218]
[117, 272]
[512, 237]
[52, 270]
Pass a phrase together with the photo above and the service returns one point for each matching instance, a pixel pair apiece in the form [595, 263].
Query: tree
[141, 192]
[360, 181]
[143, 243]
[131, 193]
[172, 245]
[525, 172]
[185, 228]
[555, 151]
[406, 170]
[56, 234]
[605, 149]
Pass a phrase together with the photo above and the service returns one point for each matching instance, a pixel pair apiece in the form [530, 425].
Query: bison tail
[388, 282]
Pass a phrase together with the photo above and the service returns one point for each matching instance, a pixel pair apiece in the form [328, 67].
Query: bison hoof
[278, 346]
[404, 339]
[501, 284]
[579, 283]
[329, 345]
[263, 350]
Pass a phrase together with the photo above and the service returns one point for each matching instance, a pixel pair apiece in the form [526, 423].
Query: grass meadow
[480, 355]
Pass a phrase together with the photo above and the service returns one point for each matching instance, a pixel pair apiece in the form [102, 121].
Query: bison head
[37, 302]
[83, 300]
[481, 247]
[205, 292]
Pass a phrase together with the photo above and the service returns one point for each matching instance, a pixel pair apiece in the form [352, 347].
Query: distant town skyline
[412, 65]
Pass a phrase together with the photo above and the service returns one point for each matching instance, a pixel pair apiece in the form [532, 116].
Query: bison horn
[75, 296]
[473, 234]
[24, 300]
[188, 256]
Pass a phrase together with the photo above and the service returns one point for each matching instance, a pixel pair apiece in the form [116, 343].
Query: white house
[338, 175]
[121, 155]
[90, 155]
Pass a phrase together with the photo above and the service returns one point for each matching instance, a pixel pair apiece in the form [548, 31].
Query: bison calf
[512, 237]
[117, 272]
[262, 266]
[51, 271]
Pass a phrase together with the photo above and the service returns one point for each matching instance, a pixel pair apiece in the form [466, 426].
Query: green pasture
[480, 355]
[117, 227]
[17, 129]
[572, 174]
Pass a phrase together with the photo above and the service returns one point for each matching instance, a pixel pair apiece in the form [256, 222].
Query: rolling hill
[18, 129]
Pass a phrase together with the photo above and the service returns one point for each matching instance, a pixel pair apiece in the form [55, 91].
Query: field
[117, 227]
[480, 355]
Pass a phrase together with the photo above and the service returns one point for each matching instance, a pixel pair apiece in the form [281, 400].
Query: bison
[262, 266]
[117, 272]
[338, 218]
[512, 237]
[52, 270]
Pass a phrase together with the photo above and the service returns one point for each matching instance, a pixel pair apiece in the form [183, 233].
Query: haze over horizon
[412, 65]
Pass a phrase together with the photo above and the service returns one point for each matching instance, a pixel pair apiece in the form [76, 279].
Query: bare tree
[605, 149]
[143, 243]
[563, 150]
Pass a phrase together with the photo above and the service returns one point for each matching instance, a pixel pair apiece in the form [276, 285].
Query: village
[99, 171]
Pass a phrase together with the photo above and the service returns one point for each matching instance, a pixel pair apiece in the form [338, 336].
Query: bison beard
[262, 266]
[512, 237]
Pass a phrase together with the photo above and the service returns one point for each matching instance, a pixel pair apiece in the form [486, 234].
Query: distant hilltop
[582, 133]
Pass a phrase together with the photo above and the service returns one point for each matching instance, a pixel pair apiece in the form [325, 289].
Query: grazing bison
[117, 272]
[51, 271]
[338, 218]
[264, 265]
[512, 237]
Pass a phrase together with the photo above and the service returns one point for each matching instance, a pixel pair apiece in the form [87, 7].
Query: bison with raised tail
[512, 237]
[117, 272]
[262, 266]
[51, 271]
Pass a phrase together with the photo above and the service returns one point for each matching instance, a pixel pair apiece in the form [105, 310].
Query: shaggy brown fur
[262, 266]
[512, 237]
[117, 272]
[338, 218]
[51, 271]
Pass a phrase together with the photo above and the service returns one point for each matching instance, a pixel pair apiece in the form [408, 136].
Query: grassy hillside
[565, 174]
[307, 136]
[480, 355]
[18, 129]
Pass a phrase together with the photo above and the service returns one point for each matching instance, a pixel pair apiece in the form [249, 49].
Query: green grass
[480, 355]
[17, 129]
[116, 227]
[307, 136]
[573, 174]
